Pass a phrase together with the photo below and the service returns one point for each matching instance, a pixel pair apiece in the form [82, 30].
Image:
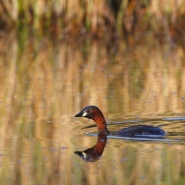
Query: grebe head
[94, 113]
[88, 112]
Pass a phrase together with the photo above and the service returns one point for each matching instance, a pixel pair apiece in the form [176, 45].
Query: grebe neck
[101, 124]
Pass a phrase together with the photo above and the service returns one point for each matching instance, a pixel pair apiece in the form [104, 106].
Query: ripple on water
[174, 128]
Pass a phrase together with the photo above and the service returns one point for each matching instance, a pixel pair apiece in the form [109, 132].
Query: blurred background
[100, 19]
[126, 57]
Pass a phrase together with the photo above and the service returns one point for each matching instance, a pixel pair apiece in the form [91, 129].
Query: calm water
[43, 84]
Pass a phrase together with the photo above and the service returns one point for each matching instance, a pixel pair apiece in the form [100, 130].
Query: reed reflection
[43, 84]
[94, 153]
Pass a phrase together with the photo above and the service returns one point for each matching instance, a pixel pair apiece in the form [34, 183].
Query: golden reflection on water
[43, 84]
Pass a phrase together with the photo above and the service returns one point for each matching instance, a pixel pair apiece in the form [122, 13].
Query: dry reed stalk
[97, 17]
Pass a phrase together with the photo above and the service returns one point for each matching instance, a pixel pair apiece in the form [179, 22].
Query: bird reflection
[94, 153]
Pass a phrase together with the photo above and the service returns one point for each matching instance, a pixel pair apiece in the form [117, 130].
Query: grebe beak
[81, 114]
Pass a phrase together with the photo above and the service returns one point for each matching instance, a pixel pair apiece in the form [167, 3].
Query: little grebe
[94, 113]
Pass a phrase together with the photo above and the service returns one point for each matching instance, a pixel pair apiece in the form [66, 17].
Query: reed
[99, 18]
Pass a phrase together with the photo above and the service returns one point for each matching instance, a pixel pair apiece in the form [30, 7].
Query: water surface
[45, 83]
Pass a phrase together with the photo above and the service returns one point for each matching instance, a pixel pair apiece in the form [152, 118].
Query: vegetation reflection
[44, 83]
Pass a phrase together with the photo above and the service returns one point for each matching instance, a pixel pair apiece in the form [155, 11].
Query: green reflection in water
[43, 84]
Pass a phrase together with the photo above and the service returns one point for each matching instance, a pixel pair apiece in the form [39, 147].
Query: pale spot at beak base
[84, 114]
